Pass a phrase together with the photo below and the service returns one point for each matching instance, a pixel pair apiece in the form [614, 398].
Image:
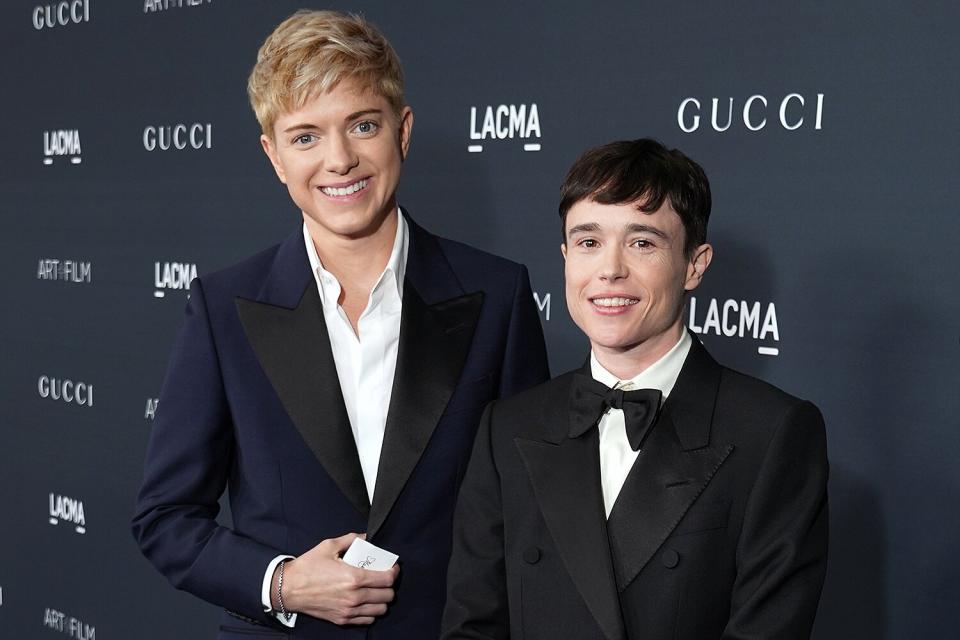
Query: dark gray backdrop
[843, 227]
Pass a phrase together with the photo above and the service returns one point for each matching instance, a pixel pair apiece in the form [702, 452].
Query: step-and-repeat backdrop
[130, 163]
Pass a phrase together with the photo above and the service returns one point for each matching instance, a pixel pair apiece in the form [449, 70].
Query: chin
[615, 342]
[618, 347]
[348, 224]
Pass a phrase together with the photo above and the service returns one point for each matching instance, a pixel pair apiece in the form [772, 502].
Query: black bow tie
[591, 399]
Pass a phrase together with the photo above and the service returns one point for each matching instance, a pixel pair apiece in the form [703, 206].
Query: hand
[321, 585]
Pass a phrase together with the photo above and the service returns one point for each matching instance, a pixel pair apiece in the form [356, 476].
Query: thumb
[343, 543]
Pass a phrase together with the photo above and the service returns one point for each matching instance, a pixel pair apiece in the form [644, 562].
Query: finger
[342, 543]
[374, 579]
[375, 596]
[369, 610]
[359, 621]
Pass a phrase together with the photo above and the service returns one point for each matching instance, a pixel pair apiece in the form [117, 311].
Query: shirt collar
[396, 266]
[661, 375]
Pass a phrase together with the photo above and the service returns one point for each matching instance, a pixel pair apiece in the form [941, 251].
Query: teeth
[344, 191]
[614, 302]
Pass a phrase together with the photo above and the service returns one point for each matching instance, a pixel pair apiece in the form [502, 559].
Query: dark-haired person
[332, 383]
[653, 493]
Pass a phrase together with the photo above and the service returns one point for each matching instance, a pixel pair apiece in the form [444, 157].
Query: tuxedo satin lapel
[565, 475]
[694, 396]
[289, 274]
[293, 348]
[672, 470]
[427, 267]
[434, 343]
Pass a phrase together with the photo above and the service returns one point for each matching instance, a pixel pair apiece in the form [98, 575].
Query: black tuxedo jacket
[252, 402]
[720, 530]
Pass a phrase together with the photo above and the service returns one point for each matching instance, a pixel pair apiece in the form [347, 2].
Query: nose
[612, 267]
[339, 156]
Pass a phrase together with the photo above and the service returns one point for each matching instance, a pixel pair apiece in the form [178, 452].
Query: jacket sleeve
[189, 458]
[477, 606]
[525, 358]
[782, 551]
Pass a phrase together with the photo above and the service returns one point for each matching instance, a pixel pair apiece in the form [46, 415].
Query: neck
[629, 362]
[356, 261]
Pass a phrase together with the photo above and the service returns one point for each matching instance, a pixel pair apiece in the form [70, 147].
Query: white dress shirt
[616, 455]
[365, 363]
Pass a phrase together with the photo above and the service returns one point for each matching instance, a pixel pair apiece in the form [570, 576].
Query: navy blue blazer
[252, 402]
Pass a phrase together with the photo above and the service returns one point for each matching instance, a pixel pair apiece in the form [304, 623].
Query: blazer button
[531, 555]
[670, 558]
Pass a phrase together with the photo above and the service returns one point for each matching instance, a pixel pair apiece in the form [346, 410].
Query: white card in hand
[369, 556]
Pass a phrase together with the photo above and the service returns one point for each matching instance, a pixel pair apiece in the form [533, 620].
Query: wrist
[274, 605]
[280, 589]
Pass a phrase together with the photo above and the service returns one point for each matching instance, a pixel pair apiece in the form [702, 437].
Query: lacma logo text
[172, 275]
[69, 510]
[61, 143]
[737, 318]
[543, 304]
[505, 122]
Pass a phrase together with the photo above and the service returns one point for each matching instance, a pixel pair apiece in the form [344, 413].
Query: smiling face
[340, 156]
[626, 274]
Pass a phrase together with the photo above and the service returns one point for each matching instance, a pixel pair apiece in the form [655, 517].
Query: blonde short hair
[310, 52]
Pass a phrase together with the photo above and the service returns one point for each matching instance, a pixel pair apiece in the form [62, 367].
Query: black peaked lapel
[437, 323]
[289, 337]
[672, 470]
[565, 474]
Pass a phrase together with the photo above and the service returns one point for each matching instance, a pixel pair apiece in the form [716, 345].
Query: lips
[344, 190]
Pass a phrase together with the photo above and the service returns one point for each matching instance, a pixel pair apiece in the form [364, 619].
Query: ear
[697, 266]
[270, 148]
[406, 129]
[563, 250]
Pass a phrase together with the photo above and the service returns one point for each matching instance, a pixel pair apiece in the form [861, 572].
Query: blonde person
[331, 384]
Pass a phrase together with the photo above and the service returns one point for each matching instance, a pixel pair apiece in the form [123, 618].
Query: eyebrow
[586, 227]
[364, 112]
[634, 227]
[353, 116]
[645, 228]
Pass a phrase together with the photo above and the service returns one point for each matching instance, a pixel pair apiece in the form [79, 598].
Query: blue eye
[366, 127]
[305, 138]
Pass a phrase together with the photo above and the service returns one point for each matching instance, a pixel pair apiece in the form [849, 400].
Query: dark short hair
[645, 172]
